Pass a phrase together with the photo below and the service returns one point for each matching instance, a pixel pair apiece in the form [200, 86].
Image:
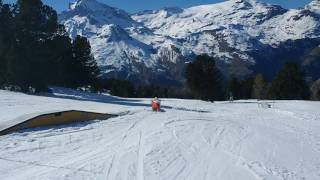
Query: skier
[155, 104]
[231, 97]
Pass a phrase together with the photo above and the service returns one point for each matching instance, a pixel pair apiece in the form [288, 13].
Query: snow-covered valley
[191, 139]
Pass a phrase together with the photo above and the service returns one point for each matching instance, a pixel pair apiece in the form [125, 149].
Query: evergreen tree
[246, 88]
[260, 87]
[122, 88]
[3, 63]
[204, 79]
[60, 60]
[6, 39]
[35, 24]
[3, 71]
[289, 83]
[36, 51]
[240, 89]
[312, 63]
[315, 90]
[35, 17]
[86, 68]
[234, 88]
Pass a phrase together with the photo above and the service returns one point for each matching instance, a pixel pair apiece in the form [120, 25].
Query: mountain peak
[87, 4]
[314, 6]
[173, 10]
[230, 5]
[247, 2]
[97, 13]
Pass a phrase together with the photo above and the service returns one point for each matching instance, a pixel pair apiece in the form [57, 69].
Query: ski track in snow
[190, 140]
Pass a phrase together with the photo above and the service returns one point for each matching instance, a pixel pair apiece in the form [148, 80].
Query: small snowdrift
[190, 140]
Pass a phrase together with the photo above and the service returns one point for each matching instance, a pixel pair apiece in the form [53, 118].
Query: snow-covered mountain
[153, 45]
[123, 47]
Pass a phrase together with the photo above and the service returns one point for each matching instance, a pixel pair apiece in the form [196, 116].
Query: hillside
[245, 36]
[190, 140]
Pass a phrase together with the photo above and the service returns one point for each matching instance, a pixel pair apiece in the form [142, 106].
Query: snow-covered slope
[242, 17]
[314, 6]
[190, 140]
[152, 42]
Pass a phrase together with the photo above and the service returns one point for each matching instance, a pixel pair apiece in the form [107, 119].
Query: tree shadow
[66, 93]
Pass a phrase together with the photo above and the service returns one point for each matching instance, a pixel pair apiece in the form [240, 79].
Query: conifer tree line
[36, 51]
[125, 88]
[204, 79]
[205, 82]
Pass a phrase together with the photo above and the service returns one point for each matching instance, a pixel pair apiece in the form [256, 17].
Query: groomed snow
[190, 140]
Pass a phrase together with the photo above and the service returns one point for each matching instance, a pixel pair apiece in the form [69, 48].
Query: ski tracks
[141, 153]
[132, 142]
[262, 172]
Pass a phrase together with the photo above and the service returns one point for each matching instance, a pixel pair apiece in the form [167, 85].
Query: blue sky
[139, 5]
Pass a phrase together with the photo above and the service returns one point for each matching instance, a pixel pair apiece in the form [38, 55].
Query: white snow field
[190, 140]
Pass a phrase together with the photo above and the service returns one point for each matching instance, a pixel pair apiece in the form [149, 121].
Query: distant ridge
[152, 46]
